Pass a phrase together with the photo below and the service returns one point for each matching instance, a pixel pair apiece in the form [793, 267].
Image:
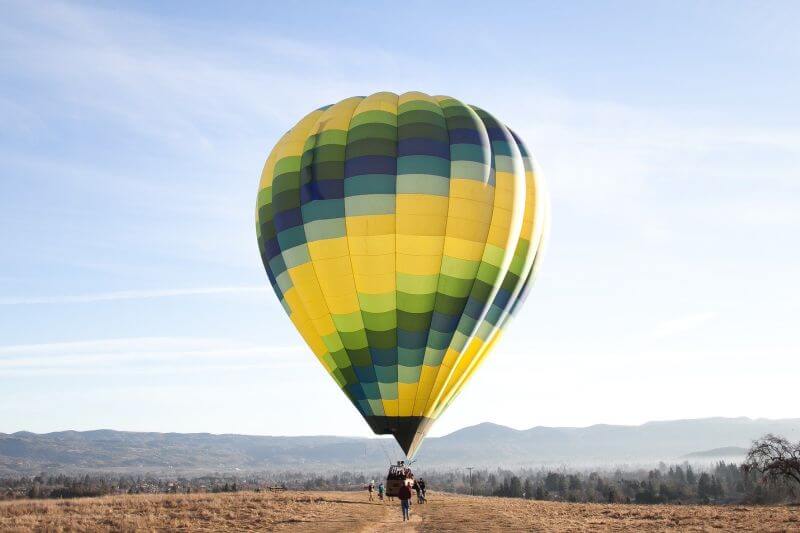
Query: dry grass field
[349, 511]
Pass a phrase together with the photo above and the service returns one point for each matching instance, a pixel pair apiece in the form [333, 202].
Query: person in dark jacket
[421, 484]
[404, 494]
[418, 490]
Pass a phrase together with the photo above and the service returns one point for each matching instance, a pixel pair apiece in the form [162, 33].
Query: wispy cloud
[213, 104]
[130, 295]
[194, 85]
[676, 326]
[611, 157]
[145, 355]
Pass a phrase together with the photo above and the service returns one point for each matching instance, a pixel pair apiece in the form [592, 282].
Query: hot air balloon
[400, 233]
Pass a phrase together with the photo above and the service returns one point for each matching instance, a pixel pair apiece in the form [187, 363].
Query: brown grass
[348, 511]
[507, 514]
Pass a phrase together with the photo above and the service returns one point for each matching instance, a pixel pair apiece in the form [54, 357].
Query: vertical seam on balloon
[505, 313]
[441, 261]
[267, 267]
[271, 205]
[430, 321]
[278, 292]
[312, 131]
[490, 163]
[537, 259]
[315, 129]
[281, 299]
[528, 285]
[350, 253]
[441, 397]
[536, 230]
[347, 241]
[396, 153]
[396, 271]
[533, 245]
[542, 196]
[490, 299]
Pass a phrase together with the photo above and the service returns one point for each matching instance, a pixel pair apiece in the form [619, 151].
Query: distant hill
[486, 444]
[726, 451]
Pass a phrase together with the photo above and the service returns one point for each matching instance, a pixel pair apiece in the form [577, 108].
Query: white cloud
[610, 157]
[130, 295]
[175, 87]
[146, 355]
[676, 326]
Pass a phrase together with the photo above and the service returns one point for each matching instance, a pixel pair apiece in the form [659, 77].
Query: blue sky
[131, 291]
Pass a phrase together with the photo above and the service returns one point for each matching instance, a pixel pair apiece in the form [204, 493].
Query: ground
[351, 511]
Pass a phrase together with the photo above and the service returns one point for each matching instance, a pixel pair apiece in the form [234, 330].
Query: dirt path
[391, 519]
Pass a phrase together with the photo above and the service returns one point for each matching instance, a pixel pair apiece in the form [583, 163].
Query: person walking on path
[404, 494]
[370, 488]
[381, 491]
[422, 489]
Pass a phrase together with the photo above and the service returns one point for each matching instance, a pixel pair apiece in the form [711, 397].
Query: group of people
[404, 494]
[371, 489]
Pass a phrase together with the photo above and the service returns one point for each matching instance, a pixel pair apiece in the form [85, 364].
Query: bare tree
[775, 458]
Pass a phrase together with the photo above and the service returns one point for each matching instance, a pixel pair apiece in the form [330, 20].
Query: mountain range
[484, 445]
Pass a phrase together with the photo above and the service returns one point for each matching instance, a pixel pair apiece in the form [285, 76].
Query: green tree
[515, 487]
[691, 479]
[528, 488]
[705, 487]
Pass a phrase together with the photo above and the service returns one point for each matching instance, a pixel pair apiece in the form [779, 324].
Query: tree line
[677, 483]
[62, 485]
[770, 474]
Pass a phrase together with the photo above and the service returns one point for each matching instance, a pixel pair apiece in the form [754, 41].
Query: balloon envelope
[400, 233]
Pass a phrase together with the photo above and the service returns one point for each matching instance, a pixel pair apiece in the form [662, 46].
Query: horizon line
[383, 437]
